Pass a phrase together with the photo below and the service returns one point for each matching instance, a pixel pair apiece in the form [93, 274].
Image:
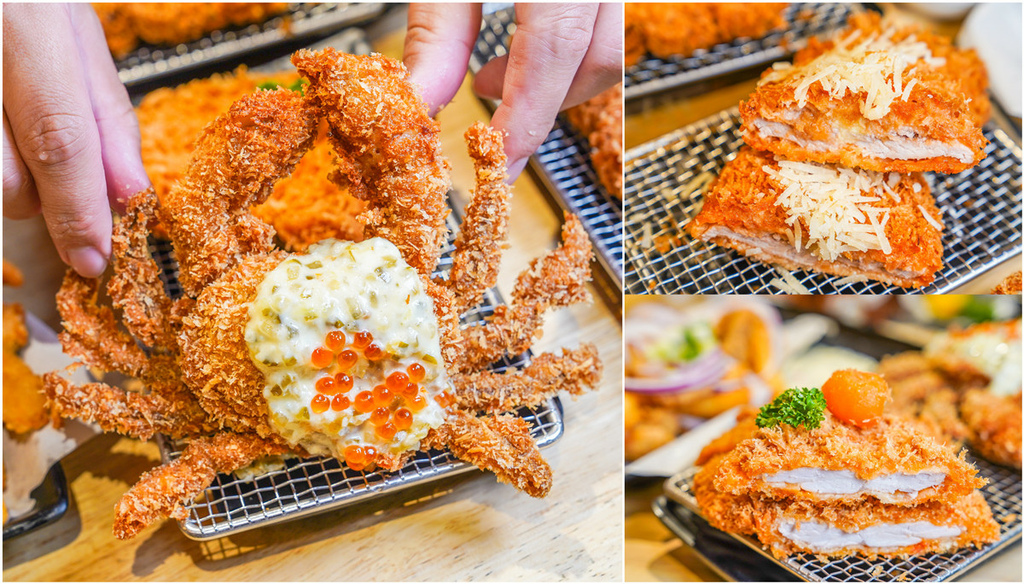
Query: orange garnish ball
[343, 382]
[416, 372]
[386, 431]
[354, 454]
[397, 381]
[417, 403]
[340, 402]
[410, 391]
[335, 341]
[403, 419]
[856, 397]
[346, 359]
[380, 415]
[364, 402]
[374, 352]
[382, 396]
[320, 404]
[362, 340]
[326, 385]
[321, 357]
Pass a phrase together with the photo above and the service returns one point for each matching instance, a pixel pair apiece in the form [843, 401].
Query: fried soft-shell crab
[351, 350]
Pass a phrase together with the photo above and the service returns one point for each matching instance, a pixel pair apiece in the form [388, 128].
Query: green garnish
[684, 344]
[297, 85]
[804, 406]
[269, 84]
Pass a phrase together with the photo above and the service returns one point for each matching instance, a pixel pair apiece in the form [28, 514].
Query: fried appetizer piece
[670, 29]
[824, 218]
[12, 275]
[1011, 285]
[982, 355]
[126, 24]
[995, 423]
[24, 401]
[879, 97]
[891, 461]
[600, 120]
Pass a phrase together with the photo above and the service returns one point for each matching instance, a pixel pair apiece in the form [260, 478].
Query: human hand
[561, 55]
[71, 139]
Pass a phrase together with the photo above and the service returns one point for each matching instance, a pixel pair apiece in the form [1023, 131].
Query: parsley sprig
[795, 407]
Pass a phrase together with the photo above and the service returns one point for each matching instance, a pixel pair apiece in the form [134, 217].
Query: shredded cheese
[876, 67]
[843, 209]
[850, 280]
[792, 282]
[931, 220]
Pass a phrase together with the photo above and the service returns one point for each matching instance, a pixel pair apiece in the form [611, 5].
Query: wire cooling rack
[981, 208]
[315, 485]
[563, 160]
[803, 22]
[301, 20]
[1003, 494]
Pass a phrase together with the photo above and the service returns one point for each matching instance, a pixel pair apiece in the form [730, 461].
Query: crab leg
[500, 444]
[484, 229]
[136, 288]
[574, 371]
[165, 490]
[381, 126]
[236, 162]
[553, 281]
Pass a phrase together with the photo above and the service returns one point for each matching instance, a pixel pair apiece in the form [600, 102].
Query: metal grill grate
[302, 20]
[981, 208]
[1003, 493]
[308, 486]
[803, 22]
[563, 161]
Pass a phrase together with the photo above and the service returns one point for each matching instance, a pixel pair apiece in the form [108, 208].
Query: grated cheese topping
[842, 209]
[875, 66]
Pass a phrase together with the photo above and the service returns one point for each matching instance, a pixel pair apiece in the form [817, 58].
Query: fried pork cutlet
[304, 208]
[127, 24]
[880, 97]
[600, 120]
[883, 226]
[680, 28]
[891, 461]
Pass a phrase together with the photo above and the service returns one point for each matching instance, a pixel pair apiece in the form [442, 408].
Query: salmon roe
[335, 341]
[362, 340]
[410, 391]
[364, 402]
[343, 382]
[340, 402]
[346, 359]
[382, 396]
[371, 454]
[374, 352]
[417, 403]
[320, 404]
[444, 399]
[856, 397]
[380, 415]
[321, 358]
[354, 453]
[326, 385]
[386, 431]
[397, 381]
[403, 419]
[416, 372]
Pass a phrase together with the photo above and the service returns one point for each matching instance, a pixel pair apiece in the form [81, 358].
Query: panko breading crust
[600, 120]
[948, 104]
[743, 199]
[995, 424]
[891, 445]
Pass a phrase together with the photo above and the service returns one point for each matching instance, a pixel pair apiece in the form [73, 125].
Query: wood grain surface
[468, 527]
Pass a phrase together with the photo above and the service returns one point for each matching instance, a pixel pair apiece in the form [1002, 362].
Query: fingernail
[87, 261]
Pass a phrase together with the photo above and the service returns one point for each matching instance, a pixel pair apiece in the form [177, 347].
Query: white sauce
[826, 538]
[350, 287]
[896, 486]
[996, 355]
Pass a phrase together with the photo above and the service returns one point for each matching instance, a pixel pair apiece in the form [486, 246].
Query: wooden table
[657, 115]
[468, 527]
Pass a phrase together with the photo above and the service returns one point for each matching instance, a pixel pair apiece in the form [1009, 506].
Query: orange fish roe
[335, 341]
[382, 396]
[386, 431]
[343, 382]
[326, 385]
[371, 454]
[346, 359]
[410, 391]
[397, 381]
[340, 402]
[380, 415]
[416, 372]
[417, 403]
[374, 352]
[444, 399]
[403, 419]
[321, 358]
[354, 454]
[320, 404]
[362, 340]
[364, 402]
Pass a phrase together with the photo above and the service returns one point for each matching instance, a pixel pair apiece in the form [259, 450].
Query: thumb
[438, 44]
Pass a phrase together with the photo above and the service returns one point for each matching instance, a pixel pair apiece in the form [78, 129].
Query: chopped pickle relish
[348, 343]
